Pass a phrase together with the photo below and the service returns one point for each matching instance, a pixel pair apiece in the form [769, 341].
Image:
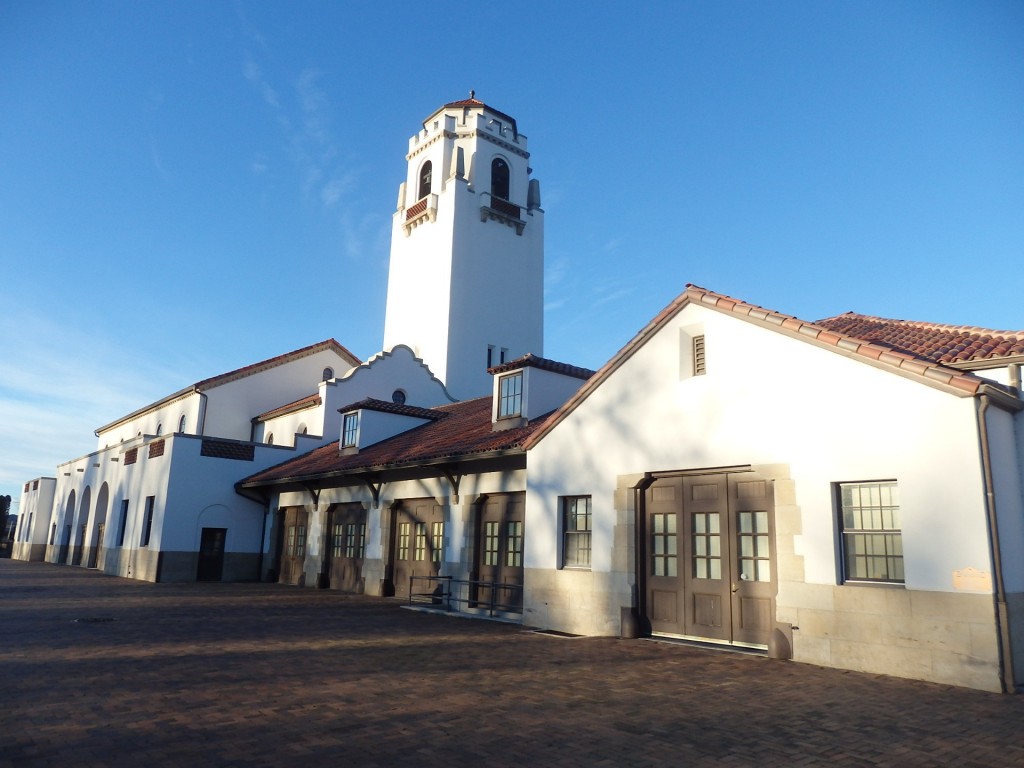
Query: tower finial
[472, 93]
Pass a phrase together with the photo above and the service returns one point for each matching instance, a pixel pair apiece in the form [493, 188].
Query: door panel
[499, 551]
[754, 584]
[705, 554]
[347, 547]
[664, 580]
[293, 555]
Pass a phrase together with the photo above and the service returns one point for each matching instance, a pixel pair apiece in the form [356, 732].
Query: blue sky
[189, 187]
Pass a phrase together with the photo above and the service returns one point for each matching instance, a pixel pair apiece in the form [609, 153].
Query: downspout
[263, 542]
[1006, 677]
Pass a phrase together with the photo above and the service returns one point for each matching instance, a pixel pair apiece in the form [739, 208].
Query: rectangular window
[664, 545]
[289, 545]
[871, 540]
[510, 396]
[436, 542]
[337, 540]
[490, 355]
[300, 541]
[53, 533]
[355, 540]
[754, 546]
[349, 430]
[491, 542]
[403, 541]
[122, 523]
[576, 521]
[147, 525]
[706, 561]
[699, 361]
[420, 543]
[514, 554]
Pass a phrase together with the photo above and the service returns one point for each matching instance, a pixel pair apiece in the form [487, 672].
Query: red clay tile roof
[373, 404]
[309, 401]
[949, 344]
[463, 431]
[474, 103]
[919, 367]
[530, 360]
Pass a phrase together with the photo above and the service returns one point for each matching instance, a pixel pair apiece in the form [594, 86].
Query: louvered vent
[699, 363]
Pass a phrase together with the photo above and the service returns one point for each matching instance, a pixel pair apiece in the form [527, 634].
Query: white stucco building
[847, 492]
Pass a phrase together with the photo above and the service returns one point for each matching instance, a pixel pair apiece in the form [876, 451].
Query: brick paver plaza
[99, 671]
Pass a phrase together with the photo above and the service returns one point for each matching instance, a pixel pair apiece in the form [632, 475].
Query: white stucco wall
[165, 418]
[34, 511]
[771, 399]
[231, 407]
[286, 427]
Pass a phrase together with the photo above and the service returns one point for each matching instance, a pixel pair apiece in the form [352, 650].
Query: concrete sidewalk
[99, 671]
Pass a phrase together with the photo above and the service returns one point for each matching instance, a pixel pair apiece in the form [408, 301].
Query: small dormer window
[349, 430]
[426, 175]
[499, 178]
[510, 396]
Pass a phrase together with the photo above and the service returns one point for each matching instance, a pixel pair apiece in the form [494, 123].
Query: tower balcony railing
[499, 209]
[420, 212]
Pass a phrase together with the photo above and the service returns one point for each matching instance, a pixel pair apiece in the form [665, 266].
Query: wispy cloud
[57, 385]
[252, 72]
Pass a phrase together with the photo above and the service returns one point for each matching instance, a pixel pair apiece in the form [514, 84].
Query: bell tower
[466, 278]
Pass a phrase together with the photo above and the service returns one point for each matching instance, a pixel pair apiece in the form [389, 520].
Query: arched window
[181, 423]
[328, 374]
[499, 178]
[426, 174]
[398, 397]
[270, 439]
[159, 429]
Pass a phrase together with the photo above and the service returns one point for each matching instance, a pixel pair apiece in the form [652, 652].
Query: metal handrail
[444, 595]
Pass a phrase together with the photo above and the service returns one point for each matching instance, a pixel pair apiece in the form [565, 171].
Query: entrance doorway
[417, 545]
[710, 571]
[293, 555]
[348, 545]
[211, 554]
[499, 552]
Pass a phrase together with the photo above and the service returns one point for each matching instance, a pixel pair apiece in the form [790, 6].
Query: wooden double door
[347, 547]
[416, 547]
[709, 557]
[498, 566]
